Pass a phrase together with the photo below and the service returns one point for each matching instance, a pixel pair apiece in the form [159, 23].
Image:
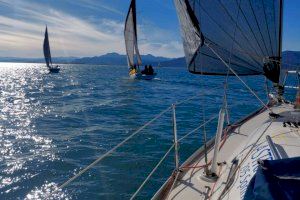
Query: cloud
[96, 5]
[21, 34]
[172, 49]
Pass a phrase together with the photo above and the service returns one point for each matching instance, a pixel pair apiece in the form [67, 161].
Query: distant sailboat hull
[135, 76]
[148, 77]
[54, 70]
[139, 76]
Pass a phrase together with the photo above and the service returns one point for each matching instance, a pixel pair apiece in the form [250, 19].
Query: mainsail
[46, 47]
[246, 34]
[130, 34]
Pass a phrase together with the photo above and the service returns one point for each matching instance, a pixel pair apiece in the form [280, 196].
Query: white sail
[130, 34]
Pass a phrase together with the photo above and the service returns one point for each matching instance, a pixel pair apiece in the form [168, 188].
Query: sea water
[54, 125]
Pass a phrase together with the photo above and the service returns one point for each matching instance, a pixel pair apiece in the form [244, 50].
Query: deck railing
[174, 146]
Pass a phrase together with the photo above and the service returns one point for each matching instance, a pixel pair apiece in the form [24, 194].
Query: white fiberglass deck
[247, 143]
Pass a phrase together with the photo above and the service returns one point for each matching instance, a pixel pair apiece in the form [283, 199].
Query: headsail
[46, 47]
[130, 34]
[246, 34]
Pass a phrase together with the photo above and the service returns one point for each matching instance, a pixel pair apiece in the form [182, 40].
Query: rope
[112, 150]
[196, 166]
[245, 84]
[152, 172]
[213, 187]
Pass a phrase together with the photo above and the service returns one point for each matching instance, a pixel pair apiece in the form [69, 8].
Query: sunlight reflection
[20, 144]
[45, 191]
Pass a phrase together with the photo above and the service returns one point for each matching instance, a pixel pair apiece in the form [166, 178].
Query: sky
[95, 27]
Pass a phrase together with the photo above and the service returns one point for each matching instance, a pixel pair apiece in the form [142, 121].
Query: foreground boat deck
[243, 146]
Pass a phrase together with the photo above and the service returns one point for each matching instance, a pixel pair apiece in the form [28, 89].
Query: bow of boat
[256, 137]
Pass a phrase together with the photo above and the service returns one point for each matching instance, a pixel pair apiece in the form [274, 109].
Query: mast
[280, 89]
[280, 30]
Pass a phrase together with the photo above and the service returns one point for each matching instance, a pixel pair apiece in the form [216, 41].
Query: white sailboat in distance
[47, 54]
[132, 50]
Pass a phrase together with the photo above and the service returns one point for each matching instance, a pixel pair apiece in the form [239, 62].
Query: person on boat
[150, 71]
[133, 69]
[145, 70]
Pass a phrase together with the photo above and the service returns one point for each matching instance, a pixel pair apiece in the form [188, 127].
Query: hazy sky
[95, 27]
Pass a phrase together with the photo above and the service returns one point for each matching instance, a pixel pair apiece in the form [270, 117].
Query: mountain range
[290, 57]
[117, 59]
[106, 59]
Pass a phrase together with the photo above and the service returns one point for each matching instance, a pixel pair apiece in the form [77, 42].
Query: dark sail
[130, 34]
[246, 34]
[46, 47]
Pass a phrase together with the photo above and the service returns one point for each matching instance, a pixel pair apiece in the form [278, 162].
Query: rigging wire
[267, 88]
[231, 37]
[245, 84]
[202, 85]
[112, 150]
[259, 28]
[197, 128]
[152, 172]
[128, 138]
[225, 103]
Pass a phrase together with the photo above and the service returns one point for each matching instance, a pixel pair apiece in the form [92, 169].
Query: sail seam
[247, 21]
[267, 25]
[257, 24]
[238, 58]
[240, 29]
[274, 21]
[245, 84]
[233, 63]
[226, 33]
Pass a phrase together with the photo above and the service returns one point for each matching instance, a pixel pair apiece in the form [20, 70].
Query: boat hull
[148, 77]
[135, 76]
[54, 70]
[139, 76]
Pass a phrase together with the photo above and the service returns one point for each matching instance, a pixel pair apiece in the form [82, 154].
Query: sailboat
[131, 43]
[47, 54]
[257, 157]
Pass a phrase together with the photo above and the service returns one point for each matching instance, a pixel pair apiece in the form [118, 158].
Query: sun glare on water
[22, 147]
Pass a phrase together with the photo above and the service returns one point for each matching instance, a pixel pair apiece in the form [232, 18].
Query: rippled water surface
[53, 125]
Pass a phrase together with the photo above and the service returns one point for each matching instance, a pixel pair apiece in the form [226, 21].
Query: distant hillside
[176, 62]
[289, 57]
[107, 59]
[37, 60]
[117, 59]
